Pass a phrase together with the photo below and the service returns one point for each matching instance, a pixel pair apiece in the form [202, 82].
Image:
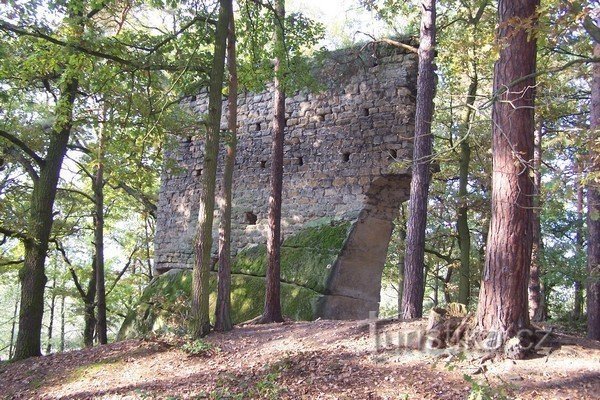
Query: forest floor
[305, 360]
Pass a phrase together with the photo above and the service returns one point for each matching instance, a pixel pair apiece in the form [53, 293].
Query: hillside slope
[302, 360]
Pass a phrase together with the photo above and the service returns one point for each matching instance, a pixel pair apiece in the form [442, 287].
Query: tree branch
[148, 204]
[449, 259]
[8, 27]
[79, 192]
[13, 234]
[120, 275]
[20, 144]
[11, 262]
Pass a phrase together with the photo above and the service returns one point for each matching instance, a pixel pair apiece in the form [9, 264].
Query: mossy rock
[306, 257]
[165, 304]
[306, 261]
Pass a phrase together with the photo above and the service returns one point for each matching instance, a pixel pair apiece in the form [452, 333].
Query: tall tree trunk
[272, 311]
[223, 311]
[402, 246]
[502, 308]
[200, 321]
[462, 221]
[536, 297]
[13, 329]
[577, 312]
[62, 324]
[414, 285]
[98, 188]
[51, 317]
[32, 275]
[593, 212]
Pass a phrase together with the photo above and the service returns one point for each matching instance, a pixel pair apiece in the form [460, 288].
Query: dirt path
[305, 360]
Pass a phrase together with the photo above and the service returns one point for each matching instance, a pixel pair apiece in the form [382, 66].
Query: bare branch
[122, 272]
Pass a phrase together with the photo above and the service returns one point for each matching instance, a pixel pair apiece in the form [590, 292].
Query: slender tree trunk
[200, 322]
[593, 212]
[223, 311]
[89, 314]
[51, 319]
[272, 311]
[32, 276]
[462, 222]
[13, 329]
[98, 188]
[536, 297]
[502, 309]
[414, 285]
[147, 245]
[401, 246]
[577, 312]
[62, 324]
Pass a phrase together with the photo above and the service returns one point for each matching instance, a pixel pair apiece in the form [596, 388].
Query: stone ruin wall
[339, 145]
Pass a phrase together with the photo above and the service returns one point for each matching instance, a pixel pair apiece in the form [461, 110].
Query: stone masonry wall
[339, 145]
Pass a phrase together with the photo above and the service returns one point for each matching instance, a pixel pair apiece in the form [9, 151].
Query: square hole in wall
[300, 161]
[392, 154]
[257, 126]
[365, 112]
[346, 157]
[250, 218]
[198, 172]
[263, 164]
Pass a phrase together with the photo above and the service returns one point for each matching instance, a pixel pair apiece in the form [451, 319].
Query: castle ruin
[347, 152]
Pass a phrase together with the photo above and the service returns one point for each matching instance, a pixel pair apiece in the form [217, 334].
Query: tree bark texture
[593, 212]
[536, 297]
[414, 285]
[502, 309]
[272, 311]
[32, 275]
[223, 311]
[200, 321]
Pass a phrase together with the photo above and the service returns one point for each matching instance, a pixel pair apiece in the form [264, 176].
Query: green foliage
[485, 391]
[197, 347]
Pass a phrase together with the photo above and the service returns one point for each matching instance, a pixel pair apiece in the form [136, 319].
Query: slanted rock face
[347, 151]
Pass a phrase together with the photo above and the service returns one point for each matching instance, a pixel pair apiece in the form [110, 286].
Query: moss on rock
[306, 260]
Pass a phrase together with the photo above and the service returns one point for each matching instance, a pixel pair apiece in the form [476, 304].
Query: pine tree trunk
[32, 275]
[593, 212]
[414, 283]
[200, 321]
[536, 297]
[51, 317]
[272, 311]
[462, 222]
[502, 309]
[223, 311]
[98, 188]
